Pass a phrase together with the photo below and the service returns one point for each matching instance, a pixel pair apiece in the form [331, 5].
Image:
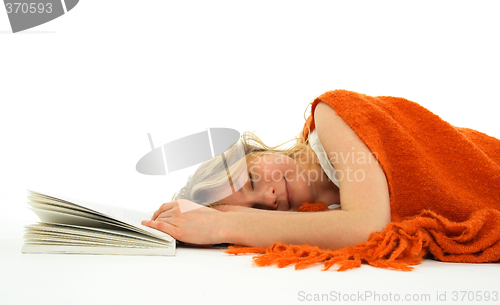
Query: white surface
[80, 93]
[194, 276]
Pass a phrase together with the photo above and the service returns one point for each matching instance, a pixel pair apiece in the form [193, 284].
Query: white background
[80, 93]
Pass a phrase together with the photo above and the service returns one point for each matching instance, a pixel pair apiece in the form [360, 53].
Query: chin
[294, 207]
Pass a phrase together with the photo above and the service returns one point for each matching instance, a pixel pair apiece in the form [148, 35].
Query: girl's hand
[188, 222]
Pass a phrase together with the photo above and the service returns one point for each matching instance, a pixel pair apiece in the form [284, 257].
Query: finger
[160, 226]
[186, 205]
[161, 209]
[164, 207]
[164, 216]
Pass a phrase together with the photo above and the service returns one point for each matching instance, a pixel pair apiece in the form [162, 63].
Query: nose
[269, 198]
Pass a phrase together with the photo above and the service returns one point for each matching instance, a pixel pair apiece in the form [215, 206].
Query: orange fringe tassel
[373, 252]
[399, 246]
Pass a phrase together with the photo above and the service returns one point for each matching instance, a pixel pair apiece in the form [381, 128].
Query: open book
[89, 228]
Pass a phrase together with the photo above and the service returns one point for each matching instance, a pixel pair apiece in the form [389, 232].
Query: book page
[72, 229]
[127, 216]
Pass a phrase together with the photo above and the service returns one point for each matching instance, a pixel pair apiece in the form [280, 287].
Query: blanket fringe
[398, 247]
[384, 250]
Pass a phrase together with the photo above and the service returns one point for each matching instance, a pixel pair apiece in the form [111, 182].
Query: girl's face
[275, 182]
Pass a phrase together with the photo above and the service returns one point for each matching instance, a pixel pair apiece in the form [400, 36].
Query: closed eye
[251, 180]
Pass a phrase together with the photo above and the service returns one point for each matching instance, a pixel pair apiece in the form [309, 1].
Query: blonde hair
[213, 174]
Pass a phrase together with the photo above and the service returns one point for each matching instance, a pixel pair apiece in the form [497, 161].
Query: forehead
[270, 159]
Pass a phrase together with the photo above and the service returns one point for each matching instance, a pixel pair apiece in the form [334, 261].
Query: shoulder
[334, 132]
[342, 145]
[363, 185]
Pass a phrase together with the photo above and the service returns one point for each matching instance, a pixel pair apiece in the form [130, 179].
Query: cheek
[276, 175]
[272, 173]
[294, 173]
[298, 181]
[301, 193]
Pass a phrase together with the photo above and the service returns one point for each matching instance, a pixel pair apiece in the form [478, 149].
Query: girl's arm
[328, 230]
[243, 209]
[363, 185]
[202, 225]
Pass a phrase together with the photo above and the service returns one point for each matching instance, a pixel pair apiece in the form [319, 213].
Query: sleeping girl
[384, 179]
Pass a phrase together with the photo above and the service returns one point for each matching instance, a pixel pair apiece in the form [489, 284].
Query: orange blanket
[444, 185]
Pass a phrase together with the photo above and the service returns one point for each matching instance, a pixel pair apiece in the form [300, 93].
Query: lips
[288, 194]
